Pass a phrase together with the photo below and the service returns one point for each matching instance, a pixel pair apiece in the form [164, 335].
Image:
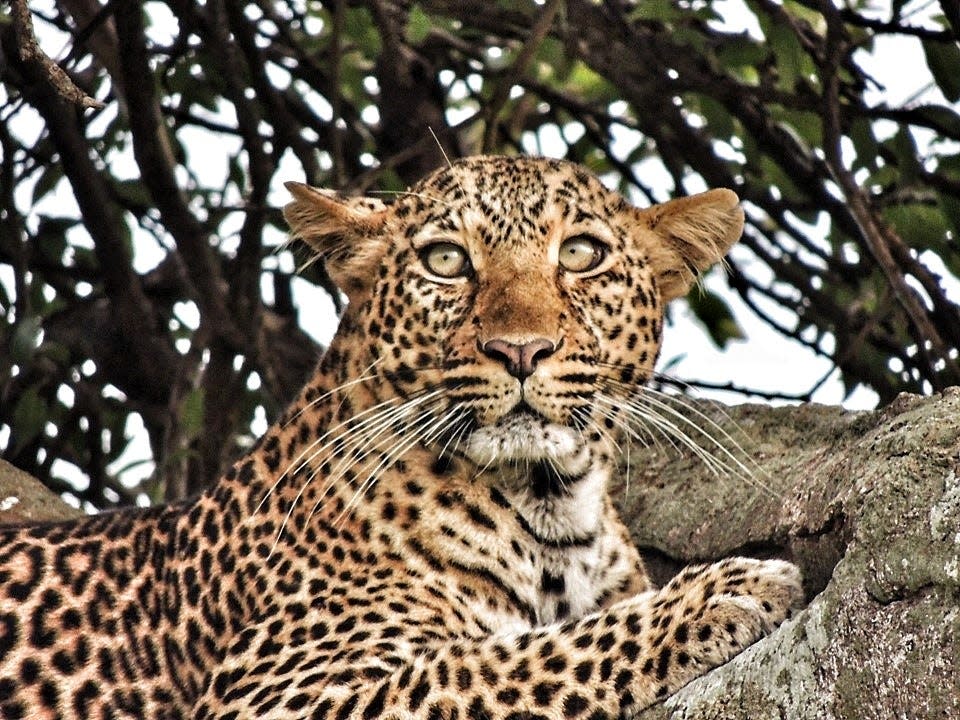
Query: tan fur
[425, 533]
[341, 230]
[694, 233]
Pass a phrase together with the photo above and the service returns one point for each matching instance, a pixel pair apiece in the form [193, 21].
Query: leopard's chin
[524, 436]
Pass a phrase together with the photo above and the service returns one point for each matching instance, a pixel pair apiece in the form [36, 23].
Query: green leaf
[904, 147]
[719, 121]
[883, 178]
[943, 59]
[25, 339]
[715, 314]
[776, 176]
[51, 238]
[949, 166]
[553, 62]
[588, 84]
[419, 25]
[742, 53]
[811, 17]
[29, 416]
[803, 125]
[922, 226]
[864, 144]
[944, 120]
[662, 10]
[133, 192]
[191, 413]
[789, 54]
[950, 253]
[359, 27]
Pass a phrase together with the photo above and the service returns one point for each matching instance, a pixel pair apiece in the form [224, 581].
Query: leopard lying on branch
[425, 532]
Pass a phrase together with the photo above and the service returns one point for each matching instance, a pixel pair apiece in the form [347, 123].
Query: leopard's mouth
[525, 435]
[523, 408]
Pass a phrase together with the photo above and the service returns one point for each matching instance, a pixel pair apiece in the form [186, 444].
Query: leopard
[426, 531]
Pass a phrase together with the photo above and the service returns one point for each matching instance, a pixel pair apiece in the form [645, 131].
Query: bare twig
[31, 54]
[517, 70]
[336, 131]
[879, 239]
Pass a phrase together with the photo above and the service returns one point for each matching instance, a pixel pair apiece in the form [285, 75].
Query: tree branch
[516, 71]
[155, 160]
[881, 241]
[43, 68]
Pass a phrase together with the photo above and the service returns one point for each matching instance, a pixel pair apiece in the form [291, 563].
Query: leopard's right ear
[345, 232]
[692, 233]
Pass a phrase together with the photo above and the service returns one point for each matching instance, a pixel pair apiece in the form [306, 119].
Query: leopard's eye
[581, 253]
[445, 259]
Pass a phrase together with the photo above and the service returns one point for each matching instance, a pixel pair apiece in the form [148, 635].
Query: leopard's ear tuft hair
[346, 233]
[691, 234]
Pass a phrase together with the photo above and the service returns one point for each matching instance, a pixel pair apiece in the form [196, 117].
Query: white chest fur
[571, 558]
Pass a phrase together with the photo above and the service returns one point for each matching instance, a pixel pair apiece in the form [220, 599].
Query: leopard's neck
[332, 471]
[341, 449]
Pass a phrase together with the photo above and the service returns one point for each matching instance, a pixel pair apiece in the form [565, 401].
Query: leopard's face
[528, 298]
[516, 303]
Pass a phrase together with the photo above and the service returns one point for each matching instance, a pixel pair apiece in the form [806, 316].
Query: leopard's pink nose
[520, 360]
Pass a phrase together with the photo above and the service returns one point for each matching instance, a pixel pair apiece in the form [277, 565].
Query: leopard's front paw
[713, 612]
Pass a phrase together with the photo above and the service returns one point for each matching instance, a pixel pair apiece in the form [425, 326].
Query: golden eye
[445, 259]
[581, 253]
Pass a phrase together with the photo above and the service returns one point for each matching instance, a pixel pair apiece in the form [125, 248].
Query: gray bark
[868, 504]
[24, 499]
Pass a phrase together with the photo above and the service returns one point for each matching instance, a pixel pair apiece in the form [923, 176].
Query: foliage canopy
[139, 275]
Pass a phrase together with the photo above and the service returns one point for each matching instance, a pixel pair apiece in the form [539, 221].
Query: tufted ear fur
[345, 232]
[693, 233]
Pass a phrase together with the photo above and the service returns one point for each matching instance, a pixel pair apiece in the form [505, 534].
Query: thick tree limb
[156, 163]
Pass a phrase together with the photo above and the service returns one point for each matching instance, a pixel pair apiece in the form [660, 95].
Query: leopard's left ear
[691, 234]
[346, 232]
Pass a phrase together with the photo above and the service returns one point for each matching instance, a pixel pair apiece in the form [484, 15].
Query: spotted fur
[425, 533]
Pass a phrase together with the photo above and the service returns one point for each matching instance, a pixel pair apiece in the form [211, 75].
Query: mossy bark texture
[868, 504]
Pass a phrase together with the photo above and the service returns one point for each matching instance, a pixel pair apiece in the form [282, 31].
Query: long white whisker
[460, 419]
[714, 426]
[670, 431]
[362, 438]
[422, 435]
[457, 435]
[719, 446]
[360, 433]
[584, 415]
[363, 377]
[653, 409]
[614, 411]
[308, 452]
[360, 430]
[352, 459]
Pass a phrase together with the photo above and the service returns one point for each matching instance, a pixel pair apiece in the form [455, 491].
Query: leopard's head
[513, 305]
